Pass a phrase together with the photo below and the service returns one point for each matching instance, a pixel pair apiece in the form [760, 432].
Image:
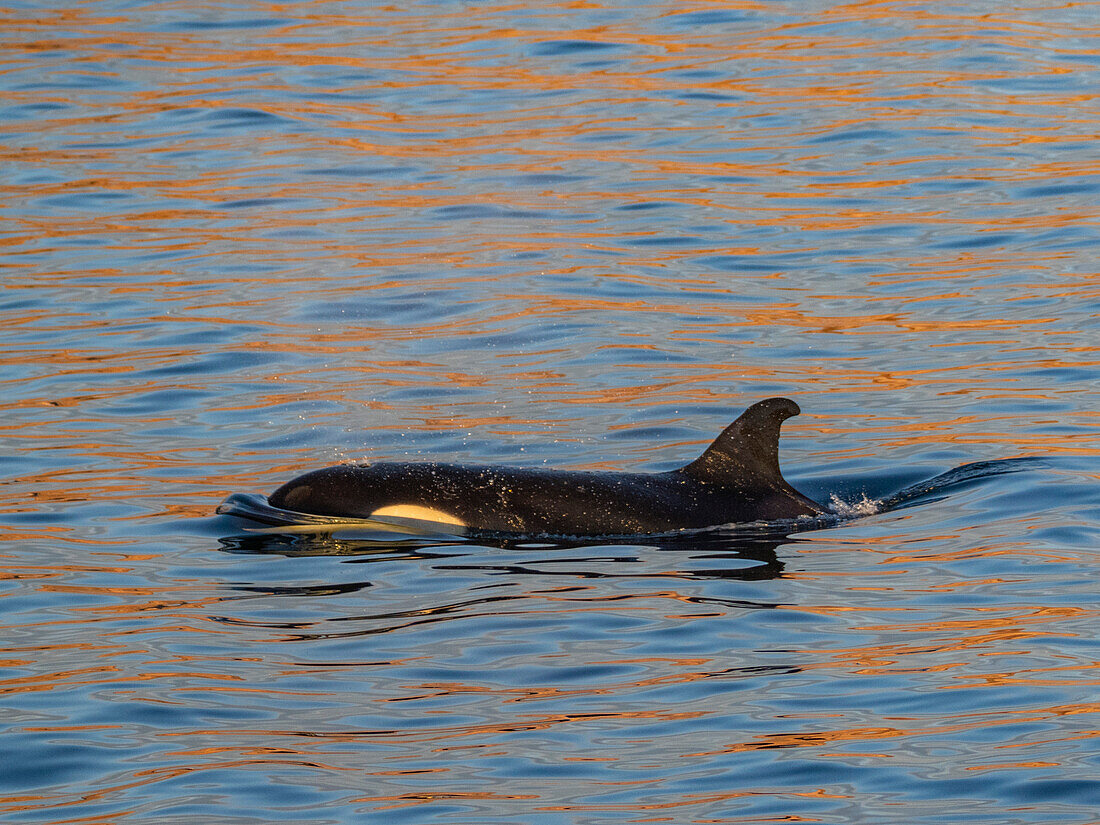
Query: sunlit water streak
[243, 240]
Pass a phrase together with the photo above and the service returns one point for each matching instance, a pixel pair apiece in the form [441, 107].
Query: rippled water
[241, 241]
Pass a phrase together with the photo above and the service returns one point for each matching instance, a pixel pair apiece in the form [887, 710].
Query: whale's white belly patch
[418, 513]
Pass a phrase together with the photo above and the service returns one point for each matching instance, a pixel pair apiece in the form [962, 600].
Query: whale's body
[736, 480]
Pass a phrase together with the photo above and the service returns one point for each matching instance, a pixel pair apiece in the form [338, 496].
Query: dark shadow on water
[744, 554]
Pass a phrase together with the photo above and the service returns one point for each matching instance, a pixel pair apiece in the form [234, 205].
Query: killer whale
[737, 479]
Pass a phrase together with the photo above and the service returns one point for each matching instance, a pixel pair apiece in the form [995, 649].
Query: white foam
[864, 506]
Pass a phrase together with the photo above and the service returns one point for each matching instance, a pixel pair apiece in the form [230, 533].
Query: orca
[736, 480]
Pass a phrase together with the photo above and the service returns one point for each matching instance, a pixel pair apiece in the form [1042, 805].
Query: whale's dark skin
[736, 480]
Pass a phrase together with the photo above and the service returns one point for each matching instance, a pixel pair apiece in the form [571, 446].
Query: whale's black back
[737, 479]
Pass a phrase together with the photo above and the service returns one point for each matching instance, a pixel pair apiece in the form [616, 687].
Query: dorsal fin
[746, 454]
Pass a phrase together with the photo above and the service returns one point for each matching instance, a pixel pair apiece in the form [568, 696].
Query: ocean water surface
[245, 240]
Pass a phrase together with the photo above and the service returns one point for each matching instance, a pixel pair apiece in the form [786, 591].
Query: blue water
[245, 241]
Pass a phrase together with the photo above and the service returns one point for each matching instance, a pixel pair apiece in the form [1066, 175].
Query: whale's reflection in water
[746, 554]
[509, 580]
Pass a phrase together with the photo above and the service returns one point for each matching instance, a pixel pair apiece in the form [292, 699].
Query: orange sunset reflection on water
[246, 241]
